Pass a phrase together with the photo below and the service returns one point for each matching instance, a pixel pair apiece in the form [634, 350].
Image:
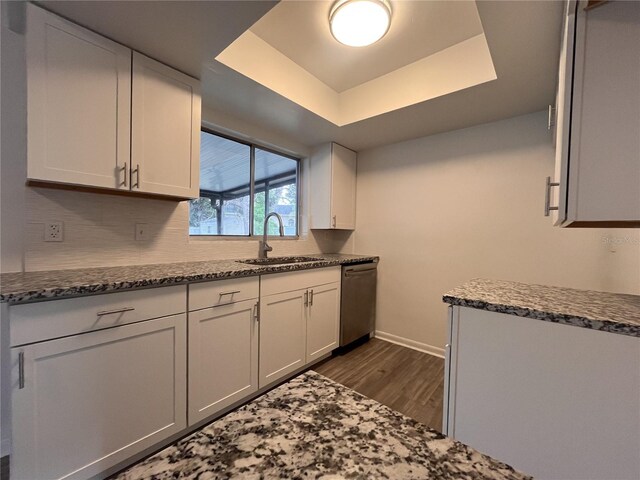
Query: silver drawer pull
[222, 294]
[118, 310]
[310, 298]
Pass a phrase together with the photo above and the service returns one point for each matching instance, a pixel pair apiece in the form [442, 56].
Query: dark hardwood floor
[405, 380]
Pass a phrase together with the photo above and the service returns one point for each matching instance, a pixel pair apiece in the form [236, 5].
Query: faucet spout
[265, 248]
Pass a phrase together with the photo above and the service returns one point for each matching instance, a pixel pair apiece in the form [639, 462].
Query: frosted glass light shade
[358, 23]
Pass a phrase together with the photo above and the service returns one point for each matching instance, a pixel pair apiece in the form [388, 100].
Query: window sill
[217, 238]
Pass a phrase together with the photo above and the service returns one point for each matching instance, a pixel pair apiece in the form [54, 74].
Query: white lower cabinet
[554, 401]
[323, 320]
[84, 403]
[282, 335]
[297, 326]
[99, 379]
[223, 357]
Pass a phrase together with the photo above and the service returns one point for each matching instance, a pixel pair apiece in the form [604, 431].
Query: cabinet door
[323, 320]
[87, 402]
[165, 143]
[343, 188]
[604, 167]
[558, 194]
[78, 103]
[282, 335]
[223, 357]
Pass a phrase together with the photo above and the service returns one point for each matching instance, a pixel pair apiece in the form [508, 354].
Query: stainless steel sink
[278, 260]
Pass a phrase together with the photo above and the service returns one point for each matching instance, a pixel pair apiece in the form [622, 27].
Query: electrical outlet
[53, 232]
[142, 232]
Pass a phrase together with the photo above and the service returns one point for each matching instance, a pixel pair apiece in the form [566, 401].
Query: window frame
[252, 188]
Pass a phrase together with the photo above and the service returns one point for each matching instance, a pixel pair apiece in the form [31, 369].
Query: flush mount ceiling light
[358, 23]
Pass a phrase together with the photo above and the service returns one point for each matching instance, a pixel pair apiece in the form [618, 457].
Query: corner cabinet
[597, 175]
[297, 325]
[103, 116]
[333, 187]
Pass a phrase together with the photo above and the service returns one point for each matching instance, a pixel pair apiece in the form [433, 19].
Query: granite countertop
[312, 427]
[608, 312]
[33, 286]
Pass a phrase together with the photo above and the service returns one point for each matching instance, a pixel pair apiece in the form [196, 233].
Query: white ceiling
[184, 34]
[523, 38]
[300, 31]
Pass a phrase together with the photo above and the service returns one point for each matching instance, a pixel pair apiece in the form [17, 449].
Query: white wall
[444, 209]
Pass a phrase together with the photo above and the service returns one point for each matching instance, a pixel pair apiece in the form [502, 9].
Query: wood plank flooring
[405, 380]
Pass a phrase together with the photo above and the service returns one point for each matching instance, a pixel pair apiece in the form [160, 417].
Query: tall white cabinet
[597, 175]
[333, 187]
[101, 115]
[78, 102]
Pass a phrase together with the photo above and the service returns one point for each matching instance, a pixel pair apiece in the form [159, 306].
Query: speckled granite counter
[32, 286]
[608, 312]
[312, 427]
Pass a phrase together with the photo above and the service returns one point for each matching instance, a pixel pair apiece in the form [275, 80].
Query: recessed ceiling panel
[432, 49]
[300, 31]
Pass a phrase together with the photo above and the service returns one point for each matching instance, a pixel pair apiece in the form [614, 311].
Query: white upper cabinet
[598, 118]
[165, 143]
[79, 96]
[94, 122]
[333, 188]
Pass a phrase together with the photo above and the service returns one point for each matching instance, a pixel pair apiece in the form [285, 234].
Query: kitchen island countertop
[47, 285]
[312, 427]
[608, 312]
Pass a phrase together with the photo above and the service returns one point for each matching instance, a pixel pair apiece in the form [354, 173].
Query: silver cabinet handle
[333, 221]
[547, 197]
[137, 172]
[125, 175]
[310, 298]
[256, 312]
[306, 298]
[551, 121]
[21, 370]
[113, 312]
[222, 294]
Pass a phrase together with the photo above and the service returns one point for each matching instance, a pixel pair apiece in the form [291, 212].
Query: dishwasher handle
[364, 268]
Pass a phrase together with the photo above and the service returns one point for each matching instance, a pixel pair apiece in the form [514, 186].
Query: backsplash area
[99, 230]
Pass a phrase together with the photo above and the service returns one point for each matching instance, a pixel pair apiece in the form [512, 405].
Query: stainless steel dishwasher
[358, 301]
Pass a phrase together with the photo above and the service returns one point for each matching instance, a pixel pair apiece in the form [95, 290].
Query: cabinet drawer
[36, 322]
[289, 281]
[222, 292]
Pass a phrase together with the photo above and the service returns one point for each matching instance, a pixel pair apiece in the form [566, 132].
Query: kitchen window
[239, 183]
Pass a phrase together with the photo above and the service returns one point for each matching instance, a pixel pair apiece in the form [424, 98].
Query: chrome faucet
[264, 246]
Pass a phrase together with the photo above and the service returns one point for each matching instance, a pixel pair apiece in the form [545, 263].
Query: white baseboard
[406, 342]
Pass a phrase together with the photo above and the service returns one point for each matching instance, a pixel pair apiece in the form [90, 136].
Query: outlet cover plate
[53, 232]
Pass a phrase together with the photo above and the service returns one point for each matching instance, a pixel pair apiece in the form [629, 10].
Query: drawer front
[222, 292]
[289, 281]
[36, 322]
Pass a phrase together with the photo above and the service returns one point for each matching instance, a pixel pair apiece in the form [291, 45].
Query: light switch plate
[142, 232]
